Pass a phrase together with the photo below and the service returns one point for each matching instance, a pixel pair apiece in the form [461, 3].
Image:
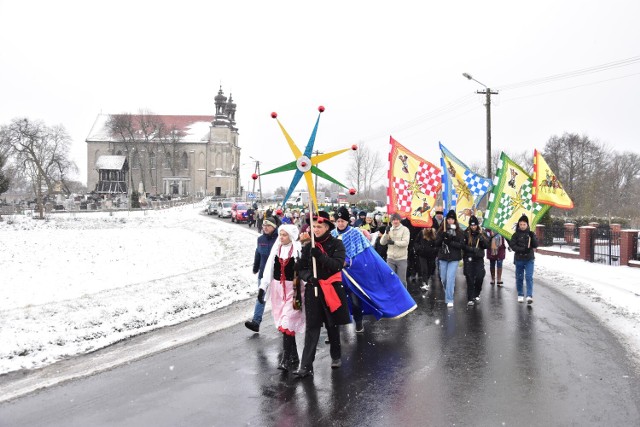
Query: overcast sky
[379, 68]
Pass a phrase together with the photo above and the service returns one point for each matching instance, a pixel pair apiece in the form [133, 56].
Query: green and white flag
[510, 198]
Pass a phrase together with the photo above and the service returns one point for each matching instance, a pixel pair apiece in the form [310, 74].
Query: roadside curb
[17, 384]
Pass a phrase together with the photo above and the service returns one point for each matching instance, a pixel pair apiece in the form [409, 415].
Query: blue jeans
[524, 270]
[258, 311]
[448, 271]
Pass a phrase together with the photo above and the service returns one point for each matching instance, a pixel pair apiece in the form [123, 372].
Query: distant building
[170, 155]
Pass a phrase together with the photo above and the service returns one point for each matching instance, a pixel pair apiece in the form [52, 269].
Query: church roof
[191, 128]
[110, 162]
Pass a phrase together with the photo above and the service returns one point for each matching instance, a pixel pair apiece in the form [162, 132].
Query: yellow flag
[547, 189]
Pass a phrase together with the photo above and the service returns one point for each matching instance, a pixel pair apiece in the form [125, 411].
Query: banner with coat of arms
[462, 189]
[547, 189]
[511, 197]
[413, 185]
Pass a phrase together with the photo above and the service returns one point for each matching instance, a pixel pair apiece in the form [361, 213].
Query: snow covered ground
[74, 284]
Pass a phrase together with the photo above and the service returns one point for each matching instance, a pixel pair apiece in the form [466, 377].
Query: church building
[166, 155]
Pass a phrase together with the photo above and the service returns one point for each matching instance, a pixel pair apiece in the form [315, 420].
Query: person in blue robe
[373, 288]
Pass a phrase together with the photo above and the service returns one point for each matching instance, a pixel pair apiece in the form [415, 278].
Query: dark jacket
[450, 244]
[379, 247]
[330, 262]
[265, 242]
[523, 243]
[474, 245]
[425, 248]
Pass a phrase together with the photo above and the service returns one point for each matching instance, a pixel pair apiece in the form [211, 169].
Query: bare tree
[147, 142]
[366, 170]
[576, 160]
[4, 180]
[40, 153]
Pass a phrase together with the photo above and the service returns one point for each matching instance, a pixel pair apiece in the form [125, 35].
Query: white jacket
[400, 248]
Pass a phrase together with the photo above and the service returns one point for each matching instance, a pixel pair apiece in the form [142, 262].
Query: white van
[224, 209]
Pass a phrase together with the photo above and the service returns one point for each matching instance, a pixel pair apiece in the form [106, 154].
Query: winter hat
[395, 215]
[343, 213]
[291, 230]
[524, 218]
[270, 221]
[323, 218]
[473, 221]
[451, 214]
[362, 213]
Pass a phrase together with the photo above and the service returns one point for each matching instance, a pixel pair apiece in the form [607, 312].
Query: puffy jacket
[474, 245]
[523, 244]
[400, 237]
[265, 242]
[450, 244]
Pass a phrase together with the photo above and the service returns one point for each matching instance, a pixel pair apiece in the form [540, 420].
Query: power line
[576, 73]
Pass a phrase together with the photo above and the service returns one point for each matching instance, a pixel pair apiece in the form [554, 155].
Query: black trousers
[311, 337]
[356, 306]
[427, 267]
[474, 273]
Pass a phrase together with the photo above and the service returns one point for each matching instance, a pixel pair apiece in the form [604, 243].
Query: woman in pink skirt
[278, 281]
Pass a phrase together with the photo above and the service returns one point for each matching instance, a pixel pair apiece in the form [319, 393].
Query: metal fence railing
[605, 246]
[561, 237]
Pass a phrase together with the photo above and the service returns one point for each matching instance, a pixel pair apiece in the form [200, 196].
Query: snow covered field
[71, 285]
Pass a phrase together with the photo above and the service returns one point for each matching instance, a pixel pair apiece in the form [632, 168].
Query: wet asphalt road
[499, 363]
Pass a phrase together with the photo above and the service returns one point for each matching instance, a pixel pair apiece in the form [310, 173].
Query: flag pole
[313, 244]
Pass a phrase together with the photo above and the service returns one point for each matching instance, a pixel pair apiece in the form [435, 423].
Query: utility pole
[487, 92]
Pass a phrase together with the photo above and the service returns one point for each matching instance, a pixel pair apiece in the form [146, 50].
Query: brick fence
[627, 239]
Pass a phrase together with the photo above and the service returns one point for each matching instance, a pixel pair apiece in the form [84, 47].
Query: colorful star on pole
[305, 164]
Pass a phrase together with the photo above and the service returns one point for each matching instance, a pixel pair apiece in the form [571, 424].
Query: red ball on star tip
[354, 147]
[274, 115]
[321, 108]
[254, 176]
[352, 191]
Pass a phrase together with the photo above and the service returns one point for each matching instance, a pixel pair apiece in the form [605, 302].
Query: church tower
[223, 151]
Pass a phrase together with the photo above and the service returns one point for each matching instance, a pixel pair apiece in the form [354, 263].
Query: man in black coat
[325, 299]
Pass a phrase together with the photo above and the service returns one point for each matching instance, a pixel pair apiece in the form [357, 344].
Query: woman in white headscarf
[278, 282]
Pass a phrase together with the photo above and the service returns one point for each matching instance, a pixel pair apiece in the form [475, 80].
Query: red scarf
[330, 295]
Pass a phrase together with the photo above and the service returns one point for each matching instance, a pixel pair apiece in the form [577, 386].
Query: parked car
[224, 209]
[239, 212]
[212, 209]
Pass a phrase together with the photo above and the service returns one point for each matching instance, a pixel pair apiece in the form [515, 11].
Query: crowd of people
[355, 263]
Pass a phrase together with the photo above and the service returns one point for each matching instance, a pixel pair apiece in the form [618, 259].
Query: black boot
[294, 361]
[286, 352]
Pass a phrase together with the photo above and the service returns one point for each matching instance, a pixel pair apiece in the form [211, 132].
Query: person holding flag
[523, 242]
[475, 242]
[325, 300]
[450, 240]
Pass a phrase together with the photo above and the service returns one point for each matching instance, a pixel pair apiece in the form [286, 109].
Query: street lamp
[487, 92]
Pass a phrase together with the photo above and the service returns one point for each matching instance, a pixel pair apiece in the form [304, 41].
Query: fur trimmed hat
[343, 213]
